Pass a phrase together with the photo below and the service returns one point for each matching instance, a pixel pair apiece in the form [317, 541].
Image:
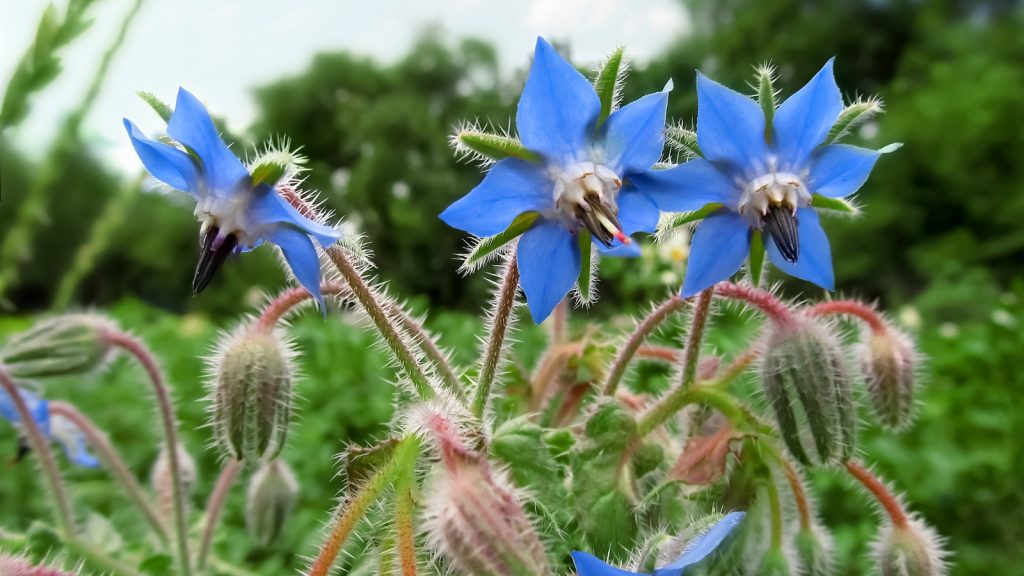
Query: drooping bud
[809, 388]
[910, 550]
[272, 493]
[252, 395]
[889, 361]
[162, 481]
[474, 517]
[59, 346]
[814, 548]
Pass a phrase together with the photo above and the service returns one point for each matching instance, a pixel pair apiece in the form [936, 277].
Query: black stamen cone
[23, 449]
[780, 223]
[211, 258]
[590, 220]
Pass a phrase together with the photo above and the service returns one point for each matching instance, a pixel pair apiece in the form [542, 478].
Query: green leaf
[685, 218]
[487, 245]
[756, 257]
[609, 81]
[683, 140]
[158, 105]
[836, 204]
[585, 279]
[156, 564]
[268, 173]
[493, 146]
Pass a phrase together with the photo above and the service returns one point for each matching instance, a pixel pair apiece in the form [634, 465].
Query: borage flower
[759, 175]
[579, 179]
[56, 428]
[693, 552]
[238, 210]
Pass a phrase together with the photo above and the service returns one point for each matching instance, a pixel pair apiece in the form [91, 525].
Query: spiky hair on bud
[270, 498]
[20, 565]
[162, 482]
[914, 549]
[62, 345]
[855, 114]
[278, 150]
[682, 141]
[610, 78]
[484, 143]
[891, 365]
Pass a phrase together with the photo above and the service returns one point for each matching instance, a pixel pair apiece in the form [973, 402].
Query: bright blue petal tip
[589, 565]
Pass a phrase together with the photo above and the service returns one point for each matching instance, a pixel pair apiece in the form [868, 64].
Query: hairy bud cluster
[911, 550]
[810, 391]
[60, 346]
[251, 395]
[272, 493]
[889, 362]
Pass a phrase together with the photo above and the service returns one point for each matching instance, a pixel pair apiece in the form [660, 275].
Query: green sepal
[836, 204]
[584, 282]
[608, 81]
[487, 245]
[766, 96]
[494, 146]
[683, 140]
[852, 116]
[684, 218]
[161, 108]
[360, 463]
[268, 172]
[756, 257]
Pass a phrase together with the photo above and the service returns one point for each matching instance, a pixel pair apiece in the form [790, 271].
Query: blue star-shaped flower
[55, 428]
[236, 215]
[585, 179]
[700, 548]
[764, 180]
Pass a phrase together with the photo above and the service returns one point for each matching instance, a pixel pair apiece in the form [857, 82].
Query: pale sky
[221, 50]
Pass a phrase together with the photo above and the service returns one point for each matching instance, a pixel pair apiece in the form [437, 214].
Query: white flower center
[585, 195]
[228, 215]
[783, 189]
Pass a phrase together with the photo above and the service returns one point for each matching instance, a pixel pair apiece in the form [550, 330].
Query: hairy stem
[765, 301]
[501, 317]
[559, 322]
[405, 507]
[803, 506]
[643, 330]
[388, 331]
[775, 512]
[285, 302]
[347, 516]
[551, 365]
[166, 408]
[850, 308]
[877, 488]
[62, 503]
[213, 508]
[113, 461]
[695, 338]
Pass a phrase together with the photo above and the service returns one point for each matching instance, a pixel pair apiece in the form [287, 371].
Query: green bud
[889, 362]
[471, 141]
[272, 493]
[809, 388]
[162, 482]
[60, 346]
[774, 563]
[814, 549]
[911, 550]
[252, 395]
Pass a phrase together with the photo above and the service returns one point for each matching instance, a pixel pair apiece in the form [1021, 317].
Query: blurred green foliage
[941, 240]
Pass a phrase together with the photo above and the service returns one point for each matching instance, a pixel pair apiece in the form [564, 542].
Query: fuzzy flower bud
[910, 550]
[814, 550]
[889, 361]
[19, 566]
[809, 388]
[474, 518]
[269, 501]
[251, 395]
[59, 346]
[162, 482]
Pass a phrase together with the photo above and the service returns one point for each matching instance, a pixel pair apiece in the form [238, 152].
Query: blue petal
[688, 187]
[166, 163]
[815, 261]
[549, 264]
[635, 134]
[268, 210]
[637, 211]
[839, 170]
[803, 121]
[703, 545]
[718, 248]
[730, 126]
[557, 108]
[620, 250]
[38, 407]
[510, 188]
[589, 565]
[71, 438]
[192, 126]
[301, 255]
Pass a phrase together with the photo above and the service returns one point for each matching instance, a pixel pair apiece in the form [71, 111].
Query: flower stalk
[878, 490]
[214, 507]
[643, 330]
[501, 317]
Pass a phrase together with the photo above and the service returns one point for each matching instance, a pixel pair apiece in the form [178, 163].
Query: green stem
[213, 509]
[166, 409]
[405, 508]
[501, 317]
[391, 335]
[63, 513]
[347, 516]
[113, 461]
[775, 510]
[643, 330]
[691, 356]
